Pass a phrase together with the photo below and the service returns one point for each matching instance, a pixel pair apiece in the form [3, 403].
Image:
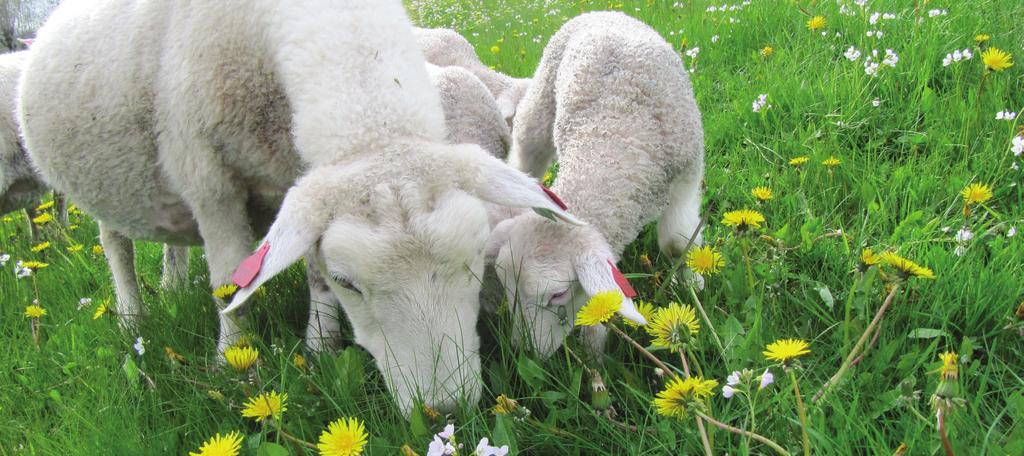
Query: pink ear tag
[554, 197]
[622, 281]
[250, 267]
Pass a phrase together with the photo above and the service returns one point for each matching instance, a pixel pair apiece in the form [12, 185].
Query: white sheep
[20, 186]
[198, 122]
[445, 47]
[612, 97]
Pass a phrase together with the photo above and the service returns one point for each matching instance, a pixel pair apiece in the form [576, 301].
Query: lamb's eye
[559, 298]
[345, 283]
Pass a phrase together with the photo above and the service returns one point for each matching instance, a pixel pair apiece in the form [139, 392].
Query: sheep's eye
[345, 283]
[559, 298]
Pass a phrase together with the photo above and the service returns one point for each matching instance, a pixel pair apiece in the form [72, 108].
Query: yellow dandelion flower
[299, 362]
[34, 311]
[175, 356]
[680, 393]
[343, 437]
[75, 248]
[743, 219]
[225, 291]
[784, 350]
[44, 206]
[906, 267]
[100, 310]
[41, 246]
[241, 358]
[996, 59]
[981, 38]
[600, 308]
[548, 179]
[949, 369]
[43, 219]
[762, 193]
[797, 161]
[704, 260]
[504, 406]
[227, 445]
[831, 161]
[74, 210]
[646, 309]
[495, 49]
[976, 194]
[72, 227]
[34, 265]
[869, 258]
[673, 326]
[97, 250]
[266, 405]
[767, 51]
[816, 23]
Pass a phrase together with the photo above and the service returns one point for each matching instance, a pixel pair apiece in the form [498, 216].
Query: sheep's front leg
[324, 327]
[61, 207]
[33, 229]
[681, 218]
[175, 273]
[120, 253]
[593, 338]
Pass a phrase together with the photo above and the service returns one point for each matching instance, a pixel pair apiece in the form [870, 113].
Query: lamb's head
[549, 271]
[400, 245]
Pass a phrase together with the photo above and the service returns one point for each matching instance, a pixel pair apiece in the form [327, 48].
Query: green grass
[903, 166]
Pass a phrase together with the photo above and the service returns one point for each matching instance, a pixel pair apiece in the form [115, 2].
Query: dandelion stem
[679, 263]
[848, 362]
[643, 350]
[281, 432]
[700, 423]
[735, 430]
[707, 321]
[802, 412]
[946, 445]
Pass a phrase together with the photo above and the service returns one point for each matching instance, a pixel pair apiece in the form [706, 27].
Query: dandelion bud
[215, 395]
[599, 399]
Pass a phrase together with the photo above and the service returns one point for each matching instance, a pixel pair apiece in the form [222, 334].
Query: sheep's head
[549, 272]
[402, 249]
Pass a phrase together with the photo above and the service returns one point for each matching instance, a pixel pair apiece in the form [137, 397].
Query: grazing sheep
[612, 97]
[20, 186]
[197, 122]
[444, 47]
[470, 112]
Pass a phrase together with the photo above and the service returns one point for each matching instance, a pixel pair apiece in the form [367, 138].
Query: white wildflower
[874, 18]
[890, 58]
[714, 39]
[4, 259]
[692, 52]
[767, 378]
[140, 346]
[761, 103]
[1006, 115]
[485, 449]
[937, 12]
[963, 235]
[1011, 232]
[852, 54]
[959, 250]
[876, 102]
[871, 68]
[84, 302]
[728, 391]
[733, 379]
[1017, 145]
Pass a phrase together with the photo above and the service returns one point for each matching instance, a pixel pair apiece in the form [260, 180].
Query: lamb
[446, 48]
[20, 187]
[320, 112]
[612, 97]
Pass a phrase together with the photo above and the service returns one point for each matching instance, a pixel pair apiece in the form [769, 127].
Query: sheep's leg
[61, 207]
[681, 219]
[175, 272]
[33, 229]
[120, 253]
[594, 338]
[324, 327]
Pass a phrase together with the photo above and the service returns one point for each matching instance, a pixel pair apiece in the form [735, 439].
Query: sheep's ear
[597, 273]
[291, 236]
[492, 180]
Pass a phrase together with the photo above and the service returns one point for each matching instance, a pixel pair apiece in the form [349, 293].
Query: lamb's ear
[492, 180]
[597, 273]
[294, 231]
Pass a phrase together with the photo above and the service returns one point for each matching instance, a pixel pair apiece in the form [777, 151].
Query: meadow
[883, 125]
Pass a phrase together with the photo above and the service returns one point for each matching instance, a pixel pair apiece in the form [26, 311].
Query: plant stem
[707, 321]
[736, 430]
[946, 445]
[649, 355]
[856, 348]
[281, 432]
[802, 412]
[679, 263]
[700, 423]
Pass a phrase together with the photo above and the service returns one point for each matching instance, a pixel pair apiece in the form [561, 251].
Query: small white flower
[714, 39]
[871, 68]
[21, 271]
[945, 229]
[140, 346]
[761, 103]
[957, 55]
[1017, 145]
[888, 16]
[947, 60]
[959, 250]
[968, 55]
[963, 235]
[4, 259]
[767, 378]
[876, 102]
[447, 433]
[860, 3]
[485, 449]
[874, 18]
[692, 52]
[937, 12]
[852, 54]
[1011, 232]
[84, 302]
[728, 391]
[890, 58]
[1015, 166]
[1006, 115]
[733, 379]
